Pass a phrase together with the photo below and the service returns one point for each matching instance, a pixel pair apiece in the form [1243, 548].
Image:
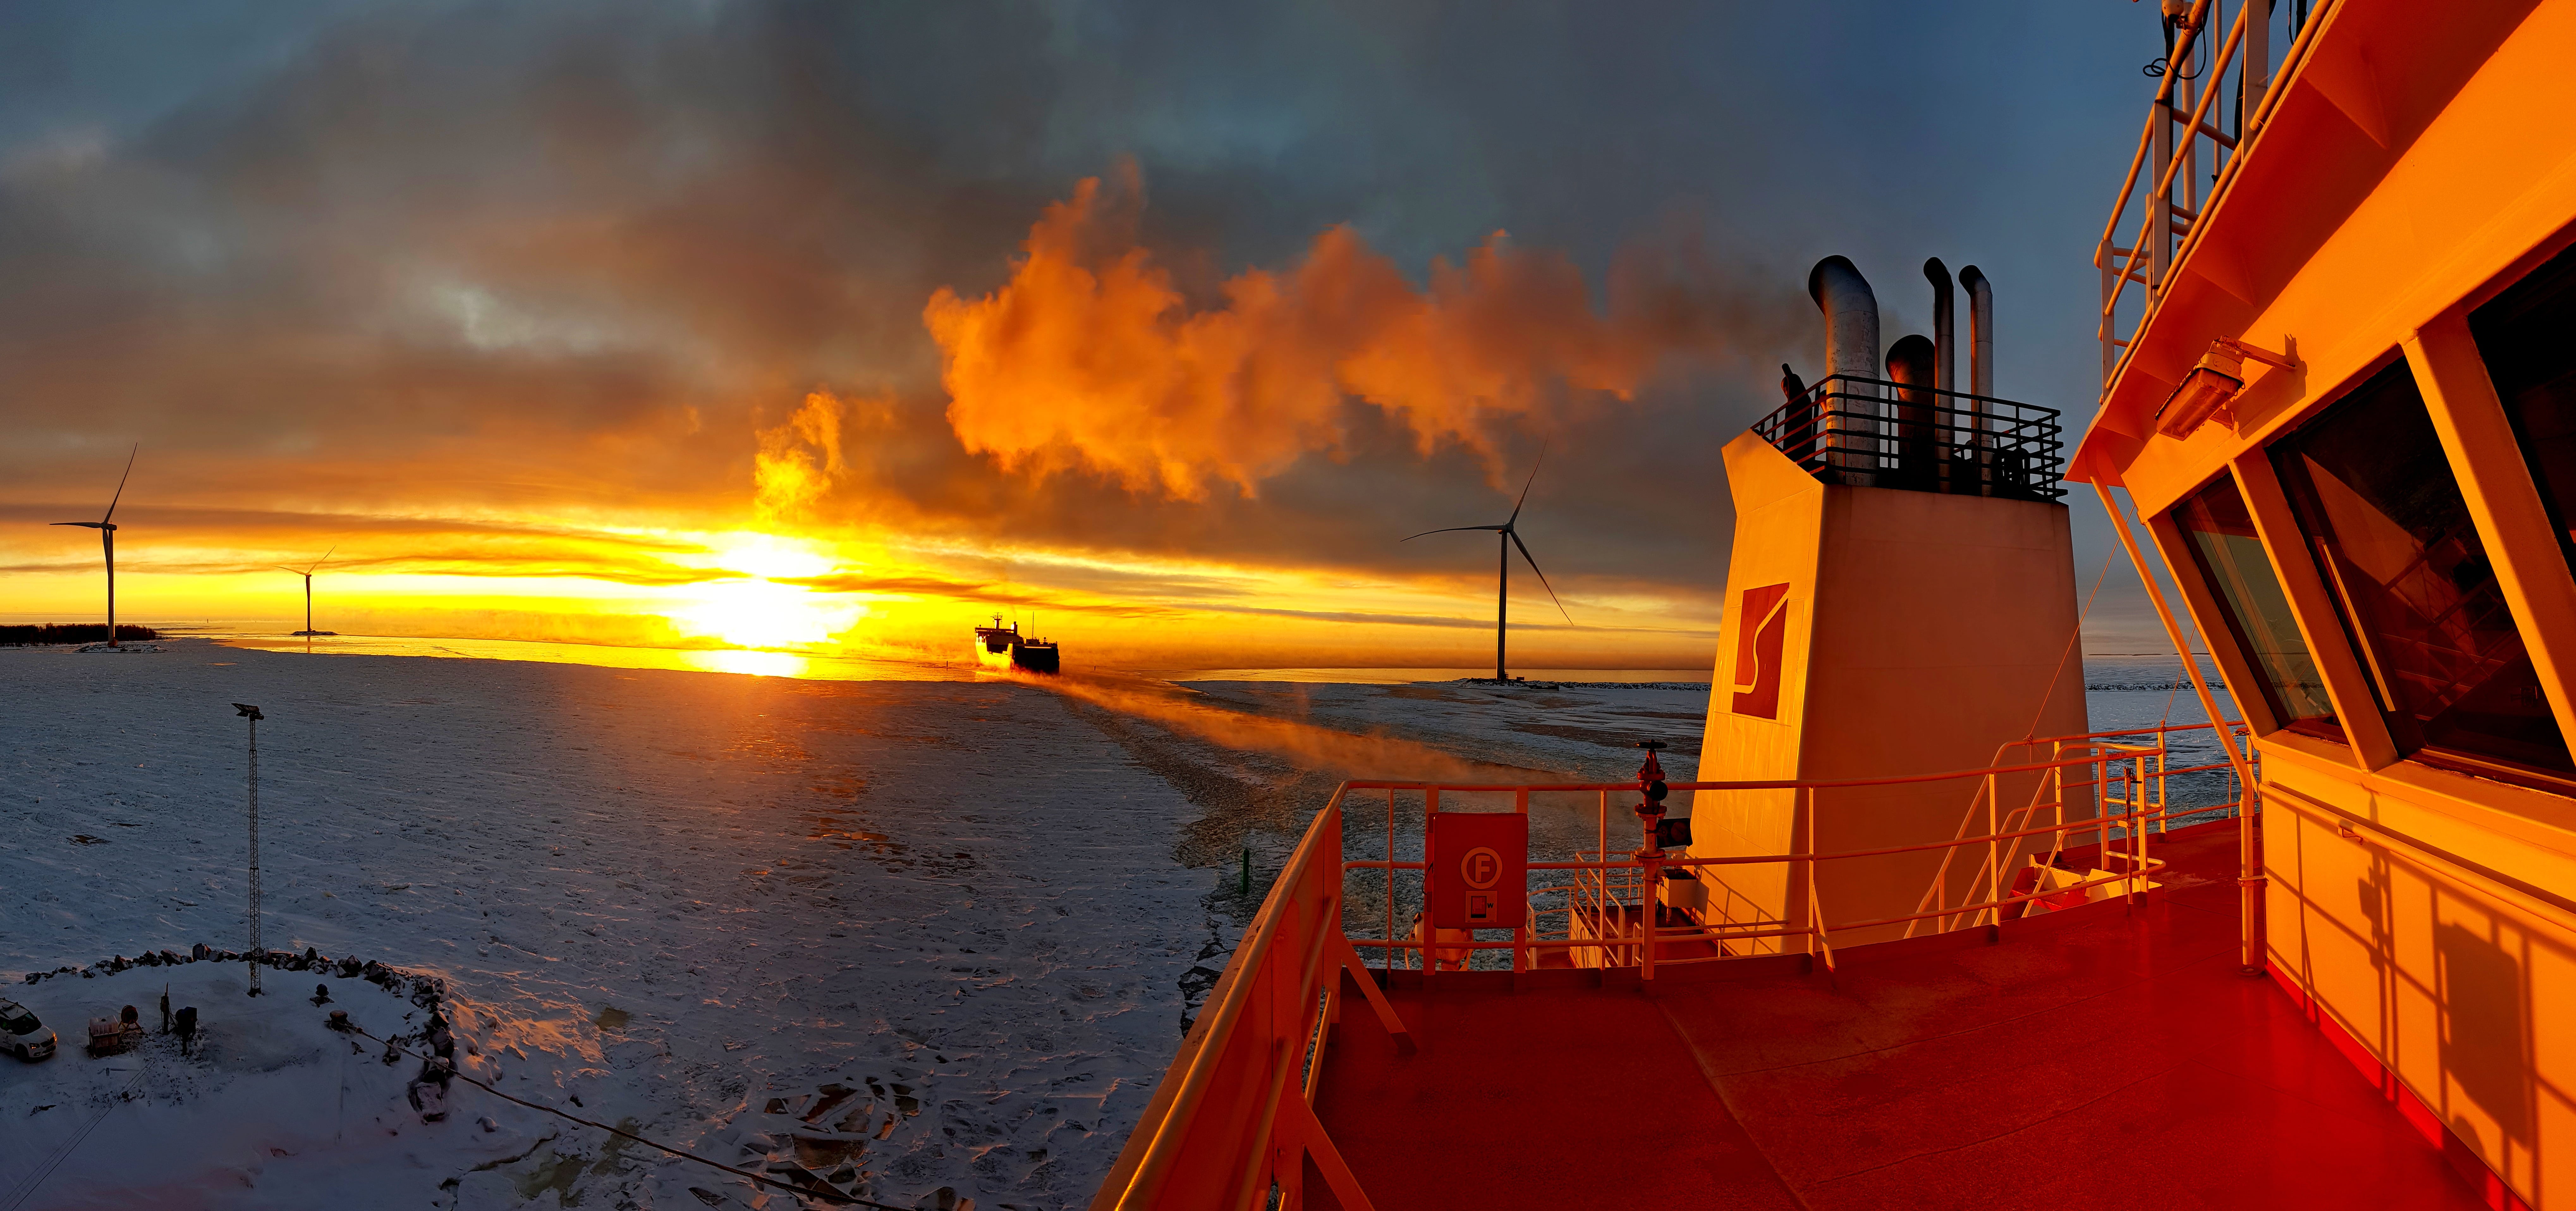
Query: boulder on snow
[430, 1098]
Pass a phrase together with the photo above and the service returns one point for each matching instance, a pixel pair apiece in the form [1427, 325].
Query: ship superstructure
[998, 646]
[1926, 939]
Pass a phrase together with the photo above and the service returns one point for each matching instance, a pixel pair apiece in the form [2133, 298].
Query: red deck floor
[2104, 1058]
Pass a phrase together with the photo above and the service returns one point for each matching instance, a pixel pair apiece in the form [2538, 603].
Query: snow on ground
[934, 939]
[675, 896]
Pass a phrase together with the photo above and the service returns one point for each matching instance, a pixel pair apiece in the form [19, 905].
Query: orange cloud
[1090, 356]
[798, 459]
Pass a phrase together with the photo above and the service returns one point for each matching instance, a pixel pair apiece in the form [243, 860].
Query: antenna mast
[258, 953]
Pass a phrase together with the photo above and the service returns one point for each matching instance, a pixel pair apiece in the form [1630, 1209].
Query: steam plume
[1090, 357]
[798, 458]
[1354, 756]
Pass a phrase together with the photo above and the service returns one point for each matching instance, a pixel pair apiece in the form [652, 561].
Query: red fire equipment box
[1479, 870]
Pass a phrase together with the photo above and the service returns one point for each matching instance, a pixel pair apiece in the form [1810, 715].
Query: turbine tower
[1507, 538]
[106, 527]
[307, 574]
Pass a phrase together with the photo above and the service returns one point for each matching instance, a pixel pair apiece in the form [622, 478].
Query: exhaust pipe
[1851, 349]
[1981, 331]
[1910, 365]
[1945, 346]
[1851, 318]
[1981, 374]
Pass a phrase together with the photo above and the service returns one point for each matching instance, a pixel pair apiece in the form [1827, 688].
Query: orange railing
[2140, 788]
[1608, 909]
[1225, 1126]
[2179, 194]
[1233, 1122]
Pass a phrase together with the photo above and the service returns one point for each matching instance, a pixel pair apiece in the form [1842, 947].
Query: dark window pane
[2392, 538]
[2232, 562]
[2528, 338]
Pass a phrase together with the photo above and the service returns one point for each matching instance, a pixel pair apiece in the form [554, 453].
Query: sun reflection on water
[747, 661]
[756, 663]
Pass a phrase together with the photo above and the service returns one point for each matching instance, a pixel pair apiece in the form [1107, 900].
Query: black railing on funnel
[1873, 433]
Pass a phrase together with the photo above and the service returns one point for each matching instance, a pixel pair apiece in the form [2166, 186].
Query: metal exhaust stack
[1945, 345]
[1981, 331]
[1981, 357]
[1851, 349]
[1911, 363]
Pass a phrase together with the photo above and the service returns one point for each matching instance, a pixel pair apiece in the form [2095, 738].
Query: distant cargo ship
[1002, 646]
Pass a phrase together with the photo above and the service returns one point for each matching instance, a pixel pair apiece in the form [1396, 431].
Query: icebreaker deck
[2101, 1057]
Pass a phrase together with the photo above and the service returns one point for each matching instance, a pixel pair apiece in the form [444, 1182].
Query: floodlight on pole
[257, 952]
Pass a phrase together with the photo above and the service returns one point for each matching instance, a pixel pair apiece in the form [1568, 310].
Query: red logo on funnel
[1761, 627]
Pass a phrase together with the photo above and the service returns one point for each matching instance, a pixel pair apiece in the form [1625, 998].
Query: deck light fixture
[2211, 386]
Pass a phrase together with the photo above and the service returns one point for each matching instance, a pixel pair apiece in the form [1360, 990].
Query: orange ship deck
[2107, 1057]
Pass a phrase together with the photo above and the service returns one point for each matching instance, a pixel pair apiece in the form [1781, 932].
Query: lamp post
[257, 953]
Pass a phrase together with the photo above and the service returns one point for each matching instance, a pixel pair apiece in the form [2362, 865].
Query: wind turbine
[307, 574]
[1506, 539]
[106, 527]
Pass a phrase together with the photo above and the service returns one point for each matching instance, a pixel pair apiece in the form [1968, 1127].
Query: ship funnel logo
[1761, 630]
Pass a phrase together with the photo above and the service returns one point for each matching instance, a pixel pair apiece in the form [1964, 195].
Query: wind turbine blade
[326, 558]
[120, 484]
[1516, 505]
[90, 524]
[1406, 538]
[283, 568]
[1542, 578]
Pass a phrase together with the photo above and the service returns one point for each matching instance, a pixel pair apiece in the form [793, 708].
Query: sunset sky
[841, 326]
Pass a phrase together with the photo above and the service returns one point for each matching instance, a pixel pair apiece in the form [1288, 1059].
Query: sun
[755, 610]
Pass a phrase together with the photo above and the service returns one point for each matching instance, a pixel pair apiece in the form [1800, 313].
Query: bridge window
[2524, 338]
[2233, 564]
[2384, 517]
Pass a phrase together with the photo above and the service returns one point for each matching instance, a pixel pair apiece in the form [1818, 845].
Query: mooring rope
[36, 1180]
[827, 1195]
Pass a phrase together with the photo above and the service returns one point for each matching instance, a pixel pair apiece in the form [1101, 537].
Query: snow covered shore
[932, 941]
[679, 897]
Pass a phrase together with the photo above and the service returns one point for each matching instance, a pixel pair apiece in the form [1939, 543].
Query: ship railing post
[1651, 861]
[1805, 865]
[1994, 858]
[1529, 914]
[2159, 200]
[2057, 840]
[2164, 809]
[1430, 932]
[1816, 931]
[1386, 958]
[2102, 832]
[1601, 884]
[2189, 174]
[2253, 75]
[2102, 257]
[2138, 795]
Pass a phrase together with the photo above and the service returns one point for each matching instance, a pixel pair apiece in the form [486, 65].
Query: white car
[22, 1035]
